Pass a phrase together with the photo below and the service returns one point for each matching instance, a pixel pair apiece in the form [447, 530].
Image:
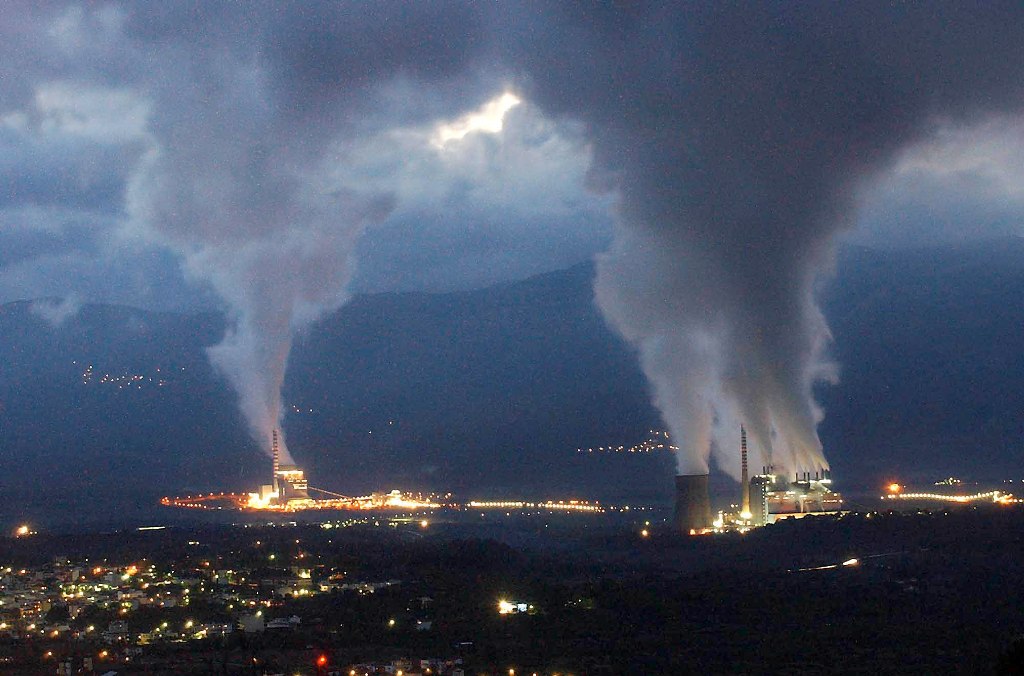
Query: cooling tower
[693, 507]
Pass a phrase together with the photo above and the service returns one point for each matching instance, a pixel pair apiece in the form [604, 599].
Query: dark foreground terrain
[928, 593]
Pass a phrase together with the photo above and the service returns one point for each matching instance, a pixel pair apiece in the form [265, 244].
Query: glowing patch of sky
[489, 118]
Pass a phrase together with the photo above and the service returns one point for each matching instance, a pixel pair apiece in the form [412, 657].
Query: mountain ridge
[492, 391]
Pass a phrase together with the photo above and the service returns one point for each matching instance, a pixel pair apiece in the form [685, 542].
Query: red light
[321, 661]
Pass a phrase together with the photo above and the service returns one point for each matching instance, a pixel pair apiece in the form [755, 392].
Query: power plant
[288, 482]
[289, 491]
[765, 498]
[776, 496]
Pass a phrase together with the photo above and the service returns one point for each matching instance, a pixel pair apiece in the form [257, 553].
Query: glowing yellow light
[424, 523]
[895, 488]
[504, 607]
[391, 622]
[746, 515]
[644, 533]
[851, 562]
[22, 531]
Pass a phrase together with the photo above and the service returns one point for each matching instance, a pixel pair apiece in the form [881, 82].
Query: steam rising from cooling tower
[737, 135]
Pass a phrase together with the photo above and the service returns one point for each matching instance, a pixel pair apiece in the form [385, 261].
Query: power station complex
[289, 491]
[765, 498]
[288, 482]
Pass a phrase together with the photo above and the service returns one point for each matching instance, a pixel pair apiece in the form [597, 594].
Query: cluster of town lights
[658, 441]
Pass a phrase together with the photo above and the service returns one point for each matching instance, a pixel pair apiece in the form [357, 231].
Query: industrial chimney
[275, 452]
[744, 478]
[693, 506]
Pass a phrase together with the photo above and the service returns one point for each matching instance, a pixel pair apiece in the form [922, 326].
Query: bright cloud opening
[489, 118]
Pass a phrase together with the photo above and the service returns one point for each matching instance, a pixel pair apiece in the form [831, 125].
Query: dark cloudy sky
[274, 158]
[76, 116]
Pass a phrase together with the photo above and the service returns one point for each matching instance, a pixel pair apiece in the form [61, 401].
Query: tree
[57, 614]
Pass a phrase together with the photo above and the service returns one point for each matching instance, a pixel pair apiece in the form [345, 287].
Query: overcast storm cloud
[259, 142]
[234, 118]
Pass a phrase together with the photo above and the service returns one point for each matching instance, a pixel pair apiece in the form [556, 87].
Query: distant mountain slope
[114, 400]
[492, 391]
[930, 343]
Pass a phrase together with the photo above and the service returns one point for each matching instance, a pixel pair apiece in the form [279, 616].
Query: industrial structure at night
[289, 491]
[288, 482]
[764, 498]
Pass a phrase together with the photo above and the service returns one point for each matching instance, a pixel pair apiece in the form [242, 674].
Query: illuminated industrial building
[775, 497]
[770, 496]
[288, 482]
[289, 491]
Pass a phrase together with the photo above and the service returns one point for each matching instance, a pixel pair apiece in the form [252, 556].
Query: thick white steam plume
[736, 136]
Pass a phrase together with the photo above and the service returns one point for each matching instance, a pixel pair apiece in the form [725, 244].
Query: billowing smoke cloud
[251, 217]
[253, 110]
[225, 125]
[230, 134]
[737, 137]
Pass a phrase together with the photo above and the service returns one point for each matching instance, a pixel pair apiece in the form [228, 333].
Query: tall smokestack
[744, 479]
[693, 507]
[275, 452]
